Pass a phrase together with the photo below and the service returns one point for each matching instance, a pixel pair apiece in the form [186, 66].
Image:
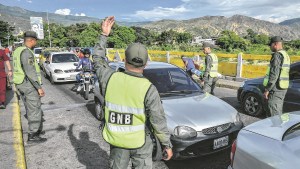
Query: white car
[60, 67]
[37, 52]
[272, 143]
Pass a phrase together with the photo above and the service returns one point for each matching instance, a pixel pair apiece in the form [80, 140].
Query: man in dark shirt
[275, 82]
[4, 60]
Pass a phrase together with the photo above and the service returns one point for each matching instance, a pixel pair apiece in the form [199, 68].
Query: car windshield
[171, 81]
[63, 58]
[292, 132]
[37, 51]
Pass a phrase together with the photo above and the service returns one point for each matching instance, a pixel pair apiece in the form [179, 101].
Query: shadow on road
[9, 96]
[88, 153]
[219, 160]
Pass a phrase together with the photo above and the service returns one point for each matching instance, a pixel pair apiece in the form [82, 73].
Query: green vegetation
[6, 33]
[86, 35]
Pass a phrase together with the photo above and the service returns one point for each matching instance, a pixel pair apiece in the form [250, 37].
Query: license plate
[221, 142]
[73, 77]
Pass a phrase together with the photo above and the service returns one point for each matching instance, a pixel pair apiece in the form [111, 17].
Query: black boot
[41, 132]
[35, 138]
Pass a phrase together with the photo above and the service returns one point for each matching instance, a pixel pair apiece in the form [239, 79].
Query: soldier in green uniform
[131, 101]
[210, 69]
[27, 79]
[276, 81]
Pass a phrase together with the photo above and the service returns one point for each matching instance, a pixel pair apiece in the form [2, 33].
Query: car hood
[255, 81]
[275, 127]
[198, 112]
[63, 66]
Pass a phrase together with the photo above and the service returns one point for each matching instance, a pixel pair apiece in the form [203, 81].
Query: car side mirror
[75, 64]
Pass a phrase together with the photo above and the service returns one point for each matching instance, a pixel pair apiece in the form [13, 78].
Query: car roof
[276, 126]
[150, 65]
[54, 53]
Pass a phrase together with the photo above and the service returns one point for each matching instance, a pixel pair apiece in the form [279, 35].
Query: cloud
[81, 14]
[158, 13]
[63, 11]
[29, 1]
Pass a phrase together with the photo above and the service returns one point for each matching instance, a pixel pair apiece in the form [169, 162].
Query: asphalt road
[74, 140]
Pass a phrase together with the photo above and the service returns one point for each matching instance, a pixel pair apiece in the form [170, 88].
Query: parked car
[199, 123]
[37, 52]
[272, 143]
[60, 67]
[250, 94]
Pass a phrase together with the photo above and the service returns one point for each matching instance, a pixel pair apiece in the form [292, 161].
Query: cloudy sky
[150, 10]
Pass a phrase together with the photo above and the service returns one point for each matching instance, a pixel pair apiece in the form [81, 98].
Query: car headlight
[184, 132]
[237, 119]
[58, 71]
[242, 85]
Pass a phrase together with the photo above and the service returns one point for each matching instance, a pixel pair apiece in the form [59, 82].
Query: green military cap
[275, 39]
[206, 45]
[30, 34]
[136, 54]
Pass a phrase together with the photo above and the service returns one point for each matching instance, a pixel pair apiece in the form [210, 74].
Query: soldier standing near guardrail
[210, 69]
[27, 78]
[130, 101]
[276, 81]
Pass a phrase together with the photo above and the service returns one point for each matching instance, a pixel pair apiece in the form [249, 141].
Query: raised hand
[107, 24]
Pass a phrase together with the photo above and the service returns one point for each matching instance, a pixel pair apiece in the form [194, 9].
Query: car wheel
[51, 79]
[98, 110]
[252, 104]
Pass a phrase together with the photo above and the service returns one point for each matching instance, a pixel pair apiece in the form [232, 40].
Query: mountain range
[207, 26]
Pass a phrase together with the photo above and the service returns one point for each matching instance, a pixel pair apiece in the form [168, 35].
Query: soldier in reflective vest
[210, 69]
[27, 79]
[276, 81]
[130, 101]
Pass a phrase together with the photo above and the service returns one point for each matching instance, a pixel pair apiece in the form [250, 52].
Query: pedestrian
[210, 69]
[276, 81]
[129, 107]
[4, 60]
[190, 66]
[27, 79]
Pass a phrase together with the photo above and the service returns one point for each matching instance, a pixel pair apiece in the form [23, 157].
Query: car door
[292, 98]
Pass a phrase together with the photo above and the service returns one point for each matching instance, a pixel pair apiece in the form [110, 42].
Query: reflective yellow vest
[214, 69]
[284, 74]
[125, 116]
[19, 74]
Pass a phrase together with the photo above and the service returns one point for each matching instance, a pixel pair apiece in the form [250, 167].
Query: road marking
[18, 137]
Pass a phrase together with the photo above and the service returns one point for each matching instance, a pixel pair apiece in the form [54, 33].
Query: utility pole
[49, 30]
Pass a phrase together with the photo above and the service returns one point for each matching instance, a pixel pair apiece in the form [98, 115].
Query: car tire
[51, 79]
[252, 104]
[98, 110]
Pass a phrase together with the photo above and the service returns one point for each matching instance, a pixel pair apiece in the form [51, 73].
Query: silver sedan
[272, 143]
[199, 123]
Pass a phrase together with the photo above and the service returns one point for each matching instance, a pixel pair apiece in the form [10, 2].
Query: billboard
[37, 26]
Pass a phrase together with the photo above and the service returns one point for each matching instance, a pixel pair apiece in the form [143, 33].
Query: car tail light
[233, 149]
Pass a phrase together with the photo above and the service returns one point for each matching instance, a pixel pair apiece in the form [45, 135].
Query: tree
[144, 36]
[89, 37]
[121, 36]
[168, 37]
[261, 39]
[230, 40]
[184, 37]
[6, 33]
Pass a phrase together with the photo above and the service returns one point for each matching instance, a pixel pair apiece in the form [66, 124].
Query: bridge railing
[237, 65]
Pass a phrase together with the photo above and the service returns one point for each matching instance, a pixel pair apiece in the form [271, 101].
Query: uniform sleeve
[208, 63]
[103, 71]
[157, 117]
[275, 67]
[27, 60]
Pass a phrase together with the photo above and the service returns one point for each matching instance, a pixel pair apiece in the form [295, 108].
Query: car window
[63, 58]
[37, 51]
[293, 132]
[171, 80]
[295, 72]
